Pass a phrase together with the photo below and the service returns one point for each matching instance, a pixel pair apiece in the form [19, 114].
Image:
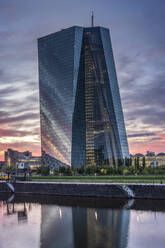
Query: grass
[102, 179]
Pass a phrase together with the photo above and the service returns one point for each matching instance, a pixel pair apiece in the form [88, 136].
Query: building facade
[82, 121]
[24, 159]
[151, 159]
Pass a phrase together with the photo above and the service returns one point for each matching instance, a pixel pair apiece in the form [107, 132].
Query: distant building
[150, 154]
[160, 158]
[12, 156]
[22, 159]
[139, 155]
[162, 154]
[150, 159]
[154, 164]
[2, 163]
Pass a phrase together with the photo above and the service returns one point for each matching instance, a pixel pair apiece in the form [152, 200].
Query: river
[55, 222]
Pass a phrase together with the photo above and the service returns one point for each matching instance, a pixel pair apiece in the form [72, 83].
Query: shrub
[38, 171]
[103, 171]
[55, 172]
[81, 170]
[45, 170]
[62, 169]
[91, 170]
[126, 172]
[9, 168]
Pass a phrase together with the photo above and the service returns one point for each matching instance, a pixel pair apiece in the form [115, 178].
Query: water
[81, 223]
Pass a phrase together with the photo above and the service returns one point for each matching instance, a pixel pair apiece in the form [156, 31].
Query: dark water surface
[51, 222]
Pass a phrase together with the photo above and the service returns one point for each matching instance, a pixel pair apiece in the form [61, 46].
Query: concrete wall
[141, 191]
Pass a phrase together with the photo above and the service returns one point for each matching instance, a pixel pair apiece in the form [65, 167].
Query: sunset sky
[138, 40]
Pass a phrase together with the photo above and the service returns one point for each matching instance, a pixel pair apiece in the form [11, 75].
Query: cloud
[156, 138]
[7, 91]
[20, 118]
[17, 133]
[21, 146]
[140, 135]
[138, 44]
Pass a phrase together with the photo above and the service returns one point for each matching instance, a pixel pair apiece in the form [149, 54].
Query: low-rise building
[22, 159]
[2, 163]
[151, 159]
[150, 154]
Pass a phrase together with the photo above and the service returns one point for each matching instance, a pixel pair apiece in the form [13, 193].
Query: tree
[55, 172]
[9, 168]
[138, 163]
[62, 169]
[119, 170]
[81, 170]
[135, 164]
[110, 170]
[144, 162]
[68, 171]
[120, 162]
[90, 170]
[127, 162]
[45, 170]
[38, 171]
[103, 171]
[132, 170]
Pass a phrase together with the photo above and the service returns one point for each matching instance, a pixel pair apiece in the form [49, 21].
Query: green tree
[119, 170]
[90, 170]
[9, 168]
[45, 170]
[81, 170]
[68, 171]
[55, 172]
[38, 171]
[137, 163]
[62, 169]
[110, 170]
[120, 162]
[132, 170]
[127, 162]
[144, 162]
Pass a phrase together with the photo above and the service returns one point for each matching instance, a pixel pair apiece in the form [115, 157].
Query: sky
[138, 41]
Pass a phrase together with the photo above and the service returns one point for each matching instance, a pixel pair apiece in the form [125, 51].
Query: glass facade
[58, 68]
[81, 114]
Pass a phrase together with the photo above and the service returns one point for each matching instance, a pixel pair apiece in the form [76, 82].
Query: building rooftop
[161, 154]
[139, 155]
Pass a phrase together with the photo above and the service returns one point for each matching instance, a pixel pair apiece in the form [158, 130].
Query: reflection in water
[19, 225]
[100, 227]
[83, 227]
[56, 227]
[24, 225]
[146, 229]
[19, 210]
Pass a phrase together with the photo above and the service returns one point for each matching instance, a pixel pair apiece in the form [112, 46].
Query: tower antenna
[92, 19]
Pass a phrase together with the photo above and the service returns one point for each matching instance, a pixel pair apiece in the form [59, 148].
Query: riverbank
[108, 190]
[102, 179]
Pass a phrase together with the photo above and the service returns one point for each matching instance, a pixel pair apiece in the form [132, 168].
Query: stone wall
[141, 191]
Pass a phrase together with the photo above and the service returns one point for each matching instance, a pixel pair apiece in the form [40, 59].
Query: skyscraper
[81, 114]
